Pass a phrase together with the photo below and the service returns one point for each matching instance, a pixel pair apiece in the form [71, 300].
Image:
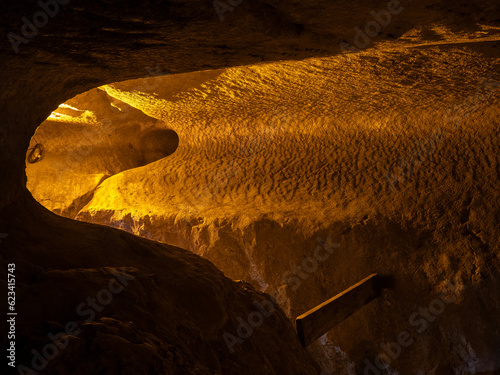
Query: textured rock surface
[270, 157]
[363, 152]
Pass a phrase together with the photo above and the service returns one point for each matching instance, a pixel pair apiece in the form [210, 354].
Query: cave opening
[88, 139]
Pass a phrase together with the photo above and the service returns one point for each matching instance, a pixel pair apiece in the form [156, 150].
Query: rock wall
[360, 151]
[384, 160]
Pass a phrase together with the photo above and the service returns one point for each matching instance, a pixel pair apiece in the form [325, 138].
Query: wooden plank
[319, 320]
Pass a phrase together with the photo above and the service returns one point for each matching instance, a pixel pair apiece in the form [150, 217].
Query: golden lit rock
[296, 147]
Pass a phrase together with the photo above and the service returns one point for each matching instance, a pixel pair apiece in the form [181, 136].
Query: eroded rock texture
[385, 159]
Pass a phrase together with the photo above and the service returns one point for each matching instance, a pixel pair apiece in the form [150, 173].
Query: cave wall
[387, 170]
[367, 103]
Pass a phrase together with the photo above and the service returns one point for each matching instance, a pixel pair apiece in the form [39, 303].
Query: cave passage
[298, 178]
[86, 140]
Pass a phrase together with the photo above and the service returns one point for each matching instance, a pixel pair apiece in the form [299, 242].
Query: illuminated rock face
[301, 177]
[99, 148]
[277, 160]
